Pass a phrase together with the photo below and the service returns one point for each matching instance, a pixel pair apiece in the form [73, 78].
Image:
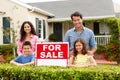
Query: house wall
[90, 26]
[18, 15]
[66, 26]
[49, 30]
[33, 16]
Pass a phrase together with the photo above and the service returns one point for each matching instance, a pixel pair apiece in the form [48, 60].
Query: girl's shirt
[33, 40]
[81, 59]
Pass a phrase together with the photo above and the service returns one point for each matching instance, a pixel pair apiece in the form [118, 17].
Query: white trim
[42, 11]
[85, 18]
[98, 17]
[33, 8]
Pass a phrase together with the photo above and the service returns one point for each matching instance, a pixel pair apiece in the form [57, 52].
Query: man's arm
[92, 51]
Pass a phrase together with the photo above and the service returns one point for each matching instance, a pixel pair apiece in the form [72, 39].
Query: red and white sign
[52, 54]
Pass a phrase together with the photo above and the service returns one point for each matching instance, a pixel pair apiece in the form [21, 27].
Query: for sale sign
[52, 54]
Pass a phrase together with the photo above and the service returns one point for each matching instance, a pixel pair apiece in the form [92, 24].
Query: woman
[27, 33]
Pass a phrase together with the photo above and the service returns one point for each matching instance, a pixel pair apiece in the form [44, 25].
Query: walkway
[103, 61]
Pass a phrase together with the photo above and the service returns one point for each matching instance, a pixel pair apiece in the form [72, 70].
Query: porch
[102, 39]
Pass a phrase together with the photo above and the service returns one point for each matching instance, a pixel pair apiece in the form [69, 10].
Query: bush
[52, 37]
[113, 50]
[7, 52]
[101, 72]
[101, 49]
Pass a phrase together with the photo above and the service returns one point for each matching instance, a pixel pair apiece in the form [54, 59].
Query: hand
[90, 52]
[69, 65]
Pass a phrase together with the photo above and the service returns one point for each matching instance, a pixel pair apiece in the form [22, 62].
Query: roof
[33, 8]
[89, 8]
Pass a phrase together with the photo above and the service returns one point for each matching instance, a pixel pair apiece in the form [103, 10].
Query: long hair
[23, 33]
[84, 50]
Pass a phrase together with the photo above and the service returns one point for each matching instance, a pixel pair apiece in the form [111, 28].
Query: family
[82, 44]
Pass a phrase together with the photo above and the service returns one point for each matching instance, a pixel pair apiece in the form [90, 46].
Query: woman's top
[81, 59]
[33, 40]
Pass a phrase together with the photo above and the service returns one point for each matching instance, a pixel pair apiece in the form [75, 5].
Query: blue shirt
[24, 59]
[86, 34]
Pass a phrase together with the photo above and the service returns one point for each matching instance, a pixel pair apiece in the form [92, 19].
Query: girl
[27, 33]
[79, 57]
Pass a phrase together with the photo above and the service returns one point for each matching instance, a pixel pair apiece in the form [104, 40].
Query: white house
[14, 13]
[50, 17]
[91, 9]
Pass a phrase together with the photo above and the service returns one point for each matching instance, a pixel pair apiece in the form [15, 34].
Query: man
[79, 31]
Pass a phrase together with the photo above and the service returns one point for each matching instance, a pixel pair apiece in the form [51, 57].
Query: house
[50, 17]
[91, 9]
[14, 13]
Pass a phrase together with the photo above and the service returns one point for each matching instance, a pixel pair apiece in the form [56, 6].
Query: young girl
[79, 57]
[27, 33]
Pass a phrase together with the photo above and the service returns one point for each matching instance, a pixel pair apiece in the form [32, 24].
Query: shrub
[100, 49]
[52, 37]
[113, 51]
[101, 72]
[7, 52]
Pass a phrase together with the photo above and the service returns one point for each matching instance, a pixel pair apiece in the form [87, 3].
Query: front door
[57, 29]
[96, 28]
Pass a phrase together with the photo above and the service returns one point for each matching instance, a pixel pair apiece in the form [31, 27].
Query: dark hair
[84, 51]
[27, 43]
[23, 33]
[76, 14]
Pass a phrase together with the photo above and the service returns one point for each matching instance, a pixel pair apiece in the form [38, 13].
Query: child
[79, 57]
[26, 58]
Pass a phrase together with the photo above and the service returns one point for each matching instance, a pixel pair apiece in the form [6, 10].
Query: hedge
[7, 51]
[101, 72]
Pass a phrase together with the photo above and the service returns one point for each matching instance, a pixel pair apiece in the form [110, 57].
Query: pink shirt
[33, 40]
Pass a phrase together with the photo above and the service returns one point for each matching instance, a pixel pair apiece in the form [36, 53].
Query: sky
[29, 1]
[117, 1]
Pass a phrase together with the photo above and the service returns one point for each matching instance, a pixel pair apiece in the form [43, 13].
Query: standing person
[27, 33]
[79, 31]
[26, 58]
[79, 56]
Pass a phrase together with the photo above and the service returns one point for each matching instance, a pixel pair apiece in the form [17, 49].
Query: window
[41, 28]
[6, 30]
[38, 27]
[44, 30]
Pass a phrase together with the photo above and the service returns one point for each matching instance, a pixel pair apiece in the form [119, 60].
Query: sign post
[52, 54]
